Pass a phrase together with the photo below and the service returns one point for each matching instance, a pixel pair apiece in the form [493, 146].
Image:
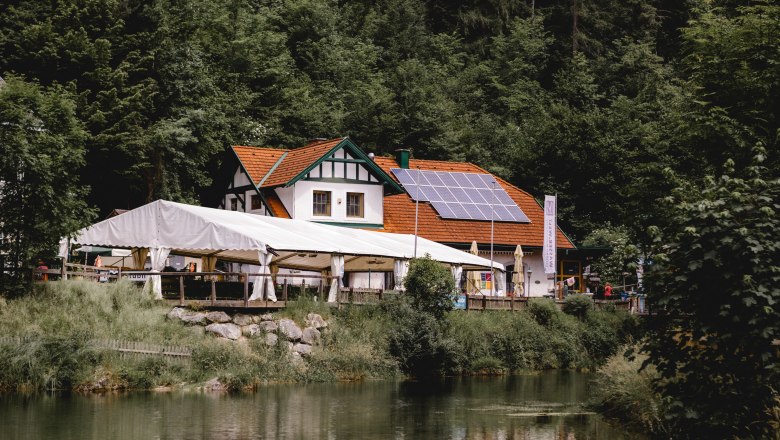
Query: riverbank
[59, 321]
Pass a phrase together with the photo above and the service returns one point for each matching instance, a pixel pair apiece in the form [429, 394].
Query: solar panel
[464, 196]
[477, 181]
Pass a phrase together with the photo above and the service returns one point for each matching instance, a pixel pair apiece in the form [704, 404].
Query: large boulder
[310, 336]
[187, 316]
[242, 319]
[271, 339]
[218, 317]
[268, 326]
[297, 361]
[228, 331]
[214, 386]
[177, 313]
[194, 318]
[250, 330]
[302, 349]
[316, 321]
[266, 317]
[290, 329]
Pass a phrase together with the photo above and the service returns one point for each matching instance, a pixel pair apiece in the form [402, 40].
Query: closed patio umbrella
[474, 279]
[518, 277]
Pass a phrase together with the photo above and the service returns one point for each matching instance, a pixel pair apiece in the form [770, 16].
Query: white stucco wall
[303, 199]
[538, 284]
[240, 179]
[287, 196]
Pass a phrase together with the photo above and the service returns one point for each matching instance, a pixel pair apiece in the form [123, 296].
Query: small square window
[355, 205]
[234, 204]
[257, 202]
[321, 204]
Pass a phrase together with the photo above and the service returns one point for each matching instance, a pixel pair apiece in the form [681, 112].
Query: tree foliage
[622, 257]
[430, 287]
[41, 152]
[715, 286]
[419, 338]
[590, 100]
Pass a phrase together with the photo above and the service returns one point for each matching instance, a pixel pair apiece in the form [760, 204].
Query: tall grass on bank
[624, 392]
[539, 337]
[59, 319]
[98, 311]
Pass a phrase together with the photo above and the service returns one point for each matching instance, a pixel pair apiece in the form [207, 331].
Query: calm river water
[548, 405]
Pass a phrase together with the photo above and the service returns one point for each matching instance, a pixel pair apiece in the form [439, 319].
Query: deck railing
[233, 289]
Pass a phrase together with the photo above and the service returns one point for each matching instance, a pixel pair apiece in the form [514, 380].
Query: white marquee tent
[165, 227]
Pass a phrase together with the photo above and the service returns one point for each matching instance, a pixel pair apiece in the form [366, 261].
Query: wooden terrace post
[246, 290]
[511, 303]
[181, 290]
[213, 291]
[63, 271]
[284, 292]
[467, 300]
[484, 302]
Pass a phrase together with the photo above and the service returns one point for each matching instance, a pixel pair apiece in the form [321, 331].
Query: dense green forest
[655, 122]
[608, 103]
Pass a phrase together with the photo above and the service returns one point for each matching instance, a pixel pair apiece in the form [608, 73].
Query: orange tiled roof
[275, 204]
[399, 213]
[259, 161]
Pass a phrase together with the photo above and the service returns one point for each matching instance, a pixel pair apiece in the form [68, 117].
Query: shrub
[623, 390]
[578, 305]
[715, 287]
[430, 287]
[542, 310]
[419, 344]
[488, 365]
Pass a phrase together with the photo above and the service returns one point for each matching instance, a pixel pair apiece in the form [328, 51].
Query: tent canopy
[237, 236]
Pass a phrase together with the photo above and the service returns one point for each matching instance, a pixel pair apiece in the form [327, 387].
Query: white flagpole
[416, 210]
[492, 209]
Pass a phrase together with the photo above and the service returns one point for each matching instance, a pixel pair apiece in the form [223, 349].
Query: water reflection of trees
[463, 409]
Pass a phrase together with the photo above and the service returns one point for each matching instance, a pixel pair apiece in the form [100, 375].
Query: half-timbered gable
[328, 181]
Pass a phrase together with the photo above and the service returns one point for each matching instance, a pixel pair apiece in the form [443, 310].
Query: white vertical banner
[549, 250]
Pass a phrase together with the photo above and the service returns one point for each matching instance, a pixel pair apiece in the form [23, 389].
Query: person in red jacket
[608, 291]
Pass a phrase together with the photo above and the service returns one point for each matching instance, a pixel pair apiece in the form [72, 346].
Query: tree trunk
[574, 29]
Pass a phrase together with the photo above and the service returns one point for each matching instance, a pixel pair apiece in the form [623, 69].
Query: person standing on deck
[608, 291]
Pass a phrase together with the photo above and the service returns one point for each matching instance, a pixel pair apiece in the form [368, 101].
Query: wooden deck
[232, 290]
[228, 304]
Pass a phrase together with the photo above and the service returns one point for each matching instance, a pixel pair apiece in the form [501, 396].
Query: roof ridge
[317, 144]
[257, 147]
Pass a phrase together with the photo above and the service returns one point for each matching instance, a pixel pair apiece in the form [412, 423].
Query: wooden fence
[232, 290]
[124, 348]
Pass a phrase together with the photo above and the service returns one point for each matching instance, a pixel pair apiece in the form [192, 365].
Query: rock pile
[241, 326]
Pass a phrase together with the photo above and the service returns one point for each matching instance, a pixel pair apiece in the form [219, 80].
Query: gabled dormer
[329, 181]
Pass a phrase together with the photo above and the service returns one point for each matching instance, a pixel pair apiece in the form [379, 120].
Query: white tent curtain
[336, 271]
[500, 284]
[139, 257]
[63, 250]
[270, 291]
[266, 282]
[158, 256]
[400, 269]
[457, 272]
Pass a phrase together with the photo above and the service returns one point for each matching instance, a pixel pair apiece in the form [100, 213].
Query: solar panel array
[463, 196]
